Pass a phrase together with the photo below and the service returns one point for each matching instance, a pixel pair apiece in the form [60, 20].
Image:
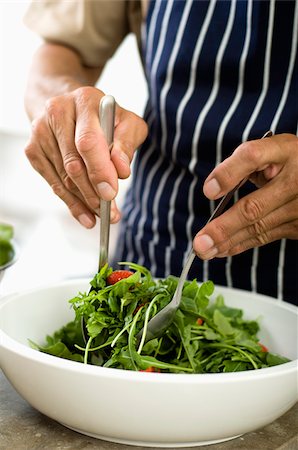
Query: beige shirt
[94, 28]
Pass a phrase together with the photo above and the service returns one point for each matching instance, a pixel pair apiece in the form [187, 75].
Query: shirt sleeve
[94, 29]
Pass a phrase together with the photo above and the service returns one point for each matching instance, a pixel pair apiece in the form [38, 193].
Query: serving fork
[107, 123]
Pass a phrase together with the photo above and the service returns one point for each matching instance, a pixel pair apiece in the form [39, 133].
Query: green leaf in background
[6, 247]
[6, 232]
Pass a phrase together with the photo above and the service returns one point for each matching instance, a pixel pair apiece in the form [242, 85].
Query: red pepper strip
[118, 275]
[150, 369]
[263, 348]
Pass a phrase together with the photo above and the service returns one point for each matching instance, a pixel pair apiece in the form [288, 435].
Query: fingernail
[85, 220]
[106, 191]
[212, 188]
[204, 244]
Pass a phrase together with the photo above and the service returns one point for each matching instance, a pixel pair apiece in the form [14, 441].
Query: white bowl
[139, 408]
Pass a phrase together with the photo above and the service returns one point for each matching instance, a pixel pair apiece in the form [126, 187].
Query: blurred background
[53, 246]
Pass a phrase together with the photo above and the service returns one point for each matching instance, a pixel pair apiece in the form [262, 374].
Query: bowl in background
[12, 261]
[140, 408]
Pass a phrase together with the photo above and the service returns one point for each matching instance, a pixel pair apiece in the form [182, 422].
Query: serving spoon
[107, 107]
[163, 319]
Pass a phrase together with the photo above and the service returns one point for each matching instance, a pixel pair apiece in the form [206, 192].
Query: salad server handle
[107, 122]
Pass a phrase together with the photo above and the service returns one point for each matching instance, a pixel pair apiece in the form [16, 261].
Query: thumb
[130, 132]
[121, 156]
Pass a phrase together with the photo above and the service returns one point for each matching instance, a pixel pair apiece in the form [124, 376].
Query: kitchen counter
[24, 428]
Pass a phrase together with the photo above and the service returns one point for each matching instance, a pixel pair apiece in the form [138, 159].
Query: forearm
[55, 70]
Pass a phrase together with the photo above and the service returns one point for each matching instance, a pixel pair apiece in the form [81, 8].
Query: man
[220, 74]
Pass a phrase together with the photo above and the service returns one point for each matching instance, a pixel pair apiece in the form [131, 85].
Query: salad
[6, 247]
[205, 337]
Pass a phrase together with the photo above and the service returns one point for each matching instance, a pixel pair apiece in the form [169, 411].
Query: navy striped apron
[219, 73]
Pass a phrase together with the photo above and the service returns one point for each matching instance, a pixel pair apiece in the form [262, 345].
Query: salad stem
[232, 347]
[120, 334]
[87, 350]
[146, 320]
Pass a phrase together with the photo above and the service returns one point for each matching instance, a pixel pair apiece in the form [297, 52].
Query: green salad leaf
[6, 247]
[205, 337]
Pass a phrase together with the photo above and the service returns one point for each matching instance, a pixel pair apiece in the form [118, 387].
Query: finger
[247, 211]
[285, 230]
[43, 166]
[263, 231]
[130, 133]
[115, 215]
[70, 164]
[249, 157]
[259, 232]
[92, 146]
[46, 140]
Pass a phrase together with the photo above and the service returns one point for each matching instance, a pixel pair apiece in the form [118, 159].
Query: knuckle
[251, 209]
[30, 152]
[225, 247]
[97, 174]
[54, 109]
[92, 201]
[225, 174]
[37, 126]
[86, 141]
[84, 93]
[59, 190]
[262, 239]
[221, 232]
[73, 165]
[74, 206]
[258, 228]
[252, 151]
[67, 181]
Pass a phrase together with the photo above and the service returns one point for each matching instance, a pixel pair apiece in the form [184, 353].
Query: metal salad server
[107, 122]
[163, 319]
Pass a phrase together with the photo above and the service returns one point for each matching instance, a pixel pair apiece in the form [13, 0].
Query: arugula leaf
[58, 349]
[274, 360]
[222, 323]
[205, 337]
